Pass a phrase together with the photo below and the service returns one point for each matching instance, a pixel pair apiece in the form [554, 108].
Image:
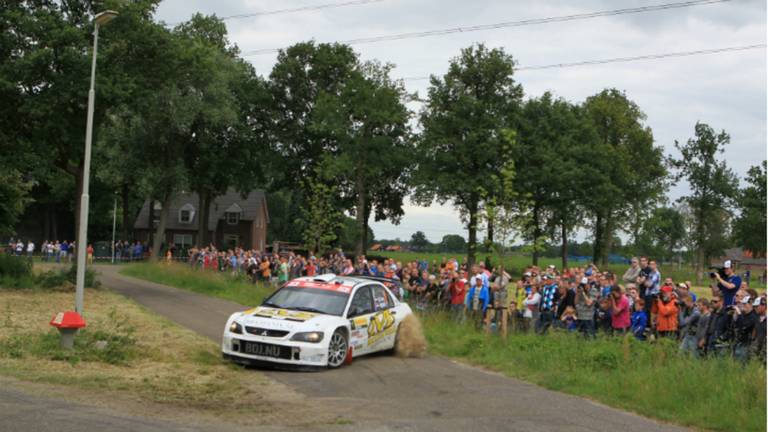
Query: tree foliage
[749, 227]
[461, 147]
[713, 187]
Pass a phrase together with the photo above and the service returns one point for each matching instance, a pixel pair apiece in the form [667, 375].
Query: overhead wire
[508, 24]
[621, 59]
[296, 9]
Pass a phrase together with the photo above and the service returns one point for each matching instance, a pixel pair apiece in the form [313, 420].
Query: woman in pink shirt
[619, 310]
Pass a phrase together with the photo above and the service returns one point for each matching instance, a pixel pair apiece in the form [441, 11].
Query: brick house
[233, 221]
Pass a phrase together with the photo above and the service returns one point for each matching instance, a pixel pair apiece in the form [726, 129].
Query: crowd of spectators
[584, 300]
[640, 303]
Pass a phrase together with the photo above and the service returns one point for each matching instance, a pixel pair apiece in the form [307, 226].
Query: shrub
[14, 266]
[57, 278]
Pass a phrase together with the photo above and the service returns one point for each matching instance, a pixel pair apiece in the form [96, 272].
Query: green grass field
[515, 264]
[238, 290]
[651, 379]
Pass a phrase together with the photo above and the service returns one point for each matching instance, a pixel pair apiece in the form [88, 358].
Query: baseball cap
[745, 299]
[584, 280]
[527, 274]
[727, 264]
[545, 277]
[759, 301]
[682, 285]
[552, 266]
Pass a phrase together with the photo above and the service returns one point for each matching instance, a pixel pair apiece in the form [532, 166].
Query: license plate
[265, 350]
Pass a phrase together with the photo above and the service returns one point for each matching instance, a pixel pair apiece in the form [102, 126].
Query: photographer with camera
[586, 297]
[726, 284]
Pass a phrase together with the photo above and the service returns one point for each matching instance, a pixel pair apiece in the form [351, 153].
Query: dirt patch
[171, 372]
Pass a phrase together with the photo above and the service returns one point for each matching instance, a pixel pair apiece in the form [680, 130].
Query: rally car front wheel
[337, 349]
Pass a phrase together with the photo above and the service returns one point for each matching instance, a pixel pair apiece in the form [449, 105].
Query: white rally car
[316, 321]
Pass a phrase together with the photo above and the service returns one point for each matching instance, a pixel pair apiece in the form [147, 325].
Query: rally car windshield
[308, 300]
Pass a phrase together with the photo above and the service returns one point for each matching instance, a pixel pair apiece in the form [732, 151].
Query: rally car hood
[284, 319]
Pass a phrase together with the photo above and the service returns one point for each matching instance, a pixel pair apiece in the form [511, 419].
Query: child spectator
[620, 320]
[639, 320]
[568, 318]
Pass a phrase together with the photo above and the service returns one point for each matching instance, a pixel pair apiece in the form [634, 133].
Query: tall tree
[462, 138]
[232, 152]
[712, 184]
[556, 142]
[304, 73]
[369, 147]
[631, 167]
[749, 227]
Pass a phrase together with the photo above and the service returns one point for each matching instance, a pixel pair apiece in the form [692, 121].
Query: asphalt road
[383, 393]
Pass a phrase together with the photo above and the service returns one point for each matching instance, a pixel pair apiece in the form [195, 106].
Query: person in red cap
[666, 308]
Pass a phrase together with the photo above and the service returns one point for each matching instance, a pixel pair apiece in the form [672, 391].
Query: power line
[508, 24]
[297, 9]
[622, 59]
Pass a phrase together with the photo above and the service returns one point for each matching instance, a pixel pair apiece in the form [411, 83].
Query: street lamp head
[102, 18]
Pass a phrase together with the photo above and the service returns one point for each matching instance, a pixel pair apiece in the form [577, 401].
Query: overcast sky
[726, 90]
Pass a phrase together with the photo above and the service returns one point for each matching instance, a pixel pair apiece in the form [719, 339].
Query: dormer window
[233, 213]
[186, 213]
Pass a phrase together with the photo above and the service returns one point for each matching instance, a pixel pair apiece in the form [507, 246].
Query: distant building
[742, 259]
[233, 221]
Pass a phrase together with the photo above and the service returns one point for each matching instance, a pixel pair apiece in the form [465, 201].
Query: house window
[186, 213]
[233, 218]
[185, 216]
[182, 241]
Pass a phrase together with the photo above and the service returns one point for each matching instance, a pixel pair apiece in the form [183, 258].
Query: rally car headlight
[236, 328]
[313, 337]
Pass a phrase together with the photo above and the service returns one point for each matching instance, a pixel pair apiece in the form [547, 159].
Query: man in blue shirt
[728, 286]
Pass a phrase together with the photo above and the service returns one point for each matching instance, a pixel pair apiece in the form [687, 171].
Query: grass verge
[651, 379]
[223, 285]
[147, 359]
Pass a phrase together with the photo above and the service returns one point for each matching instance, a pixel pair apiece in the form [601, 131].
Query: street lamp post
[82, 236]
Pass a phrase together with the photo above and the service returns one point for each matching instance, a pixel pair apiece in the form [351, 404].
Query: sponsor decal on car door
[382, 328]
[361, 309]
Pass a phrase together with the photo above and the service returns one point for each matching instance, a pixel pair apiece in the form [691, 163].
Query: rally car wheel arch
[338, 348]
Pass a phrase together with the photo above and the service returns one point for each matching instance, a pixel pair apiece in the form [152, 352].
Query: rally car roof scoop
[327, 278]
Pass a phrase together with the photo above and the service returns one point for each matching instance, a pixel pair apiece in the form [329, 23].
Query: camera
[718, 271]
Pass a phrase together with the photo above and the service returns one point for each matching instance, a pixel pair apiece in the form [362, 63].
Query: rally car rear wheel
[337, 349]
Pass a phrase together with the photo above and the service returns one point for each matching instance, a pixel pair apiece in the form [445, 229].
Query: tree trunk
[360, 247]
[608, 239]
[366, 217]
[564, 249]
[597, 245]
[489, 234]
[472, 228]
[127, 220]
[54, 225]
[47, 223]
[536, 234]
[203, 214]
[160, 233]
